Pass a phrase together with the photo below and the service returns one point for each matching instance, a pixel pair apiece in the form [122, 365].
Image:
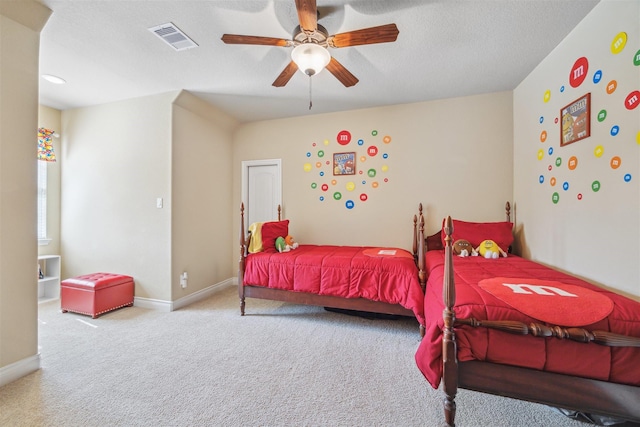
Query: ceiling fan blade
[285, 75]
[382, 34]
[267, 41]
[307, 14]
[341, 73]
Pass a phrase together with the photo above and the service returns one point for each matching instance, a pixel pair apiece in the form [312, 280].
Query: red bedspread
[342, 271]
[614, 364]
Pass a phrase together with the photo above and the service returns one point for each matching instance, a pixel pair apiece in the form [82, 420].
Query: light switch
[159, 203]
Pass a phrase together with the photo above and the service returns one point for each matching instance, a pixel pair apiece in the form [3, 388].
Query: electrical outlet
[183, 280]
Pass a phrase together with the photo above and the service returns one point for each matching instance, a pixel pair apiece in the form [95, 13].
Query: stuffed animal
[490, 249]
[290, 242]
[285, 244]
[463, 248]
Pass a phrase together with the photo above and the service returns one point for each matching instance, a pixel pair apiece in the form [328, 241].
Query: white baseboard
[19, 369]
[168, 306]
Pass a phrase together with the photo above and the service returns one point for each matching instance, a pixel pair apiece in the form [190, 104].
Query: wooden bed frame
[563, 391]
[356, 304]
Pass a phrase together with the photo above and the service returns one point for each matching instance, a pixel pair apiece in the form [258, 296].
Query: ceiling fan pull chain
[310, 103]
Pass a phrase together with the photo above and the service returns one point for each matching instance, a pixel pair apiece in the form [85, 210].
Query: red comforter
[342, 271]
[614, 364]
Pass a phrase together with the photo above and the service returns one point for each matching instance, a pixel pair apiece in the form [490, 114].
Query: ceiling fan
[310, 42]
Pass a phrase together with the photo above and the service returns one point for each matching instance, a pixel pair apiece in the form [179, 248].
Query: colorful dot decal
[324, 160]
[552, 181]
[615, 162]
[632, 100]
[602, 115]
[558, 161]
[540, 154]
[572, 164]
[541, 179]
[547, 96]
[598, 151]
[595, 186]
[614, 130]
[578, 72]
[636, 58]
[597, 76]
[565, 186]
[344, 137]
[555, 198]
[627, 177]
[550, 150]
[541, 119]
[543, 136]
[612, 86]
[618, 43]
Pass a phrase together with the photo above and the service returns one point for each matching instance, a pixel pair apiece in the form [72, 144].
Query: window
[42, 201]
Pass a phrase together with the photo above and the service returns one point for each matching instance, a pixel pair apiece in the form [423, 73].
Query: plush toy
[285, 244]
[490, 249]
[290, 242]
[463, 248]
[280, 244]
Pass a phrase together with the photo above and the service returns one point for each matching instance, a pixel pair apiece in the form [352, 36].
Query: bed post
[449, 350]
[415, 232]
[243, 254]
[507, 209]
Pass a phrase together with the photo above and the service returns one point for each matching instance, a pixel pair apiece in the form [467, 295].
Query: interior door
[262, 189]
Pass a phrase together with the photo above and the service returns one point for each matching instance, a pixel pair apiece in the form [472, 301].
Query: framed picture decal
[576, 120]
[344, 163]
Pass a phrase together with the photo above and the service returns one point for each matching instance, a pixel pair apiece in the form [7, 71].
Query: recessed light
[54, 79]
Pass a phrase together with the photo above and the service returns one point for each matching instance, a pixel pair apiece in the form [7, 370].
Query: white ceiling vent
[173, 36]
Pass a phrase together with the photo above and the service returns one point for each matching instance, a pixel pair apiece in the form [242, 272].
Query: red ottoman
[97, 293]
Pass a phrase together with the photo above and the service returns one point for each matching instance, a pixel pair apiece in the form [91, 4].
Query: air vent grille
[172, 35]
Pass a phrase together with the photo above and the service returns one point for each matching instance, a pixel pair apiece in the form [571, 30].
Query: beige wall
[598, 236]
[50, 118]
[20, 25]
[453, 155]
[117, 162]
[201, 193]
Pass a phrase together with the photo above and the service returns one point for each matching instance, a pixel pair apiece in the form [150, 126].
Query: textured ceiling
[445, 49]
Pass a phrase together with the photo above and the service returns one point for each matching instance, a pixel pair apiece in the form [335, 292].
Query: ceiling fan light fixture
[310, 58]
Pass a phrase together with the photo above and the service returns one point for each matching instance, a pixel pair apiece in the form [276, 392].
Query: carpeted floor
[205, 365]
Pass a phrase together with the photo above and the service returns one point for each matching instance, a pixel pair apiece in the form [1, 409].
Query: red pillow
[476, 232]
[271, 231]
